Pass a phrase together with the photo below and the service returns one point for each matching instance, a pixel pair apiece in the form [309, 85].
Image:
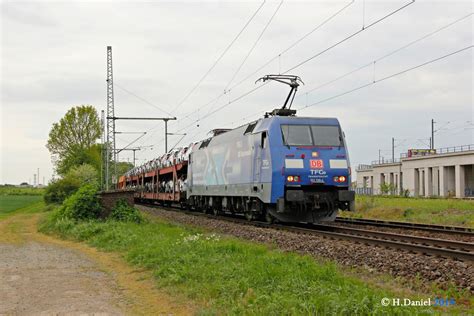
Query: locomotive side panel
[227, 166]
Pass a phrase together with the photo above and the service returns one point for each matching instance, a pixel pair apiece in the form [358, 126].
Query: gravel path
[43, 275]
[397, 263]
[43, 279]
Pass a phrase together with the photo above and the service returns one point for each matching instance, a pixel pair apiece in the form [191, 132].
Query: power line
[349, 37]
[424, 37]
[248, 54]
[219, 58]
[387, 77]
[296, 66]
[274, 58]
[318, 54]
[254, 45]
[424, 64]
[301, 63]
[142, 99]
[295, 43]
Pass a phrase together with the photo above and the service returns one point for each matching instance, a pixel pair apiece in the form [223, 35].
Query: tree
[123, 167]
[58, 190]
[90, 156]
[72, 141]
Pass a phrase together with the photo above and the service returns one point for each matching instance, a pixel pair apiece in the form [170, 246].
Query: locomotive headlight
[293, 178]
[339, 179]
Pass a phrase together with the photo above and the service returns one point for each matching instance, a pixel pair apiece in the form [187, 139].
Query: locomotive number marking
[316, 164]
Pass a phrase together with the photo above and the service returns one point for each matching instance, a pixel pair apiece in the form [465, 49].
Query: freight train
[280, 167]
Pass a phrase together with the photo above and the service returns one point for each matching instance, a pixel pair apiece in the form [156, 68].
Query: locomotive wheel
[249, 215]
[269, 218]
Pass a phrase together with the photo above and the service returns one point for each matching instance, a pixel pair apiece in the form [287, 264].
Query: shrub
[58, 190]
[82, 205]
[85, 173]
[126, 213]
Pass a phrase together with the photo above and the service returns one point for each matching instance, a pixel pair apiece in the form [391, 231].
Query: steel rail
[418, 248]
[435, 242]
[417, 226]
[406, 242]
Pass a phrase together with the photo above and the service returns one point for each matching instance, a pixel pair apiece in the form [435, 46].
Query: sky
[53, 57]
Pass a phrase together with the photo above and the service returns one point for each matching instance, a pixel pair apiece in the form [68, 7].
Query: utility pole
[393, 149]
[131, 149]
[166, 136]
[38, 177]
[379, 156]
[432, 134]
[110, 119]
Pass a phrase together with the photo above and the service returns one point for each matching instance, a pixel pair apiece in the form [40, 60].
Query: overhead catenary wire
[219, 58]
[248, 54]
[298, 65]
[141, 98]
[254, 45]
[294, 44]
[386, 77]
[348, 37]
[251, 75]
[388, 54]
[303, 62]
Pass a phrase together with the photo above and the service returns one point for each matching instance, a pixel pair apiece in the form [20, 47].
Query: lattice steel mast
[110, 144]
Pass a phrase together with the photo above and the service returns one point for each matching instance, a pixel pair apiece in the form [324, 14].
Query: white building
[447, 172]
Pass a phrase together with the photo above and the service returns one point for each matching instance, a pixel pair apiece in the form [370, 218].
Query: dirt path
[43, 275]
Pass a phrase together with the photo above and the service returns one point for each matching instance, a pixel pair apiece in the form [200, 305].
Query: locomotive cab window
[326, 135]
[263, 142]
[250, 127]
[311, 135]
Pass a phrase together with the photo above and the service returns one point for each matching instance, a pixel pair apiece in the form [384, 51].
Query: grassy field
[229, 276]
[13, 199]
[11, 190]
[10, 203]
[431, 211]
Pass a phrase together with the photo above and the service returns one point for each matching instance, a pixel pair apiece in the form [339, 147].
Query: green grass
[11, 190]
[14, 199]
[227, 275]
[431, 211]
[11, 203]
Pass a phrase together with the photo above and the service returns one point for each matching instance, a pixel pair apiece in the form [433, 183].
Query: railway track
[414, 226]
[429, 246]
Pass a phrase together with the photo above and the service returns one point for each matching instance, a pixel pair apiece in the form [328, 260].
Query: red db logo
[316, 164]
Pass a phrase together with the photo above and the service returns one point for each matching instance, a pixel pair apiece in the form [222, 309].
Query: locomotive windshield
[311, 135]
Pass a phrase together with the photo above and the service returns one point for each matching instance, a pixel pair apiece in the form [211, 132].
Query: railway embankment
[226, 275]
[413, 270]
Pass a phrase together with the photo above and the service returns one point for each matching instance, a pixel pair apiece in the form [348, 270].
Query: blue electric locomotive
[294, 169]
